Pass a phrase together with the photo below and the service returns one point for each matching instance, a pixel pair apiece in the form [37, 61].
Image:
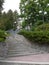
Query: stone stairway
[18, 45]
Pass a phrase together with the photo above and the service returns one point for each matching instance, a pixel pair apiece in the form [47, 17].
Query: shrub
[2, 39]
[36, 36]
[3, 35]
[38, 23]
[40, 36]
[24, 24]
[42, 27]
[27, 34]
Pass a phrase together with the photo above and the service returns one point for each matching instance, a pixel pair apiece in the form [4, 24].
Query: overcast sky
[11, 4]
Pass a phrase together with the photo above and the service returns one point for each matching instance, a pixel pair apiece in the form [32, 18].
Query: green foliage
[7, 20]
[10, 20]
[40, 36]
[24, 24]
[36, 36]
[44, 26]
[3, 35]
[33, 10]
[38, 23]
[15, 16]
[1, 3]
[2, 39]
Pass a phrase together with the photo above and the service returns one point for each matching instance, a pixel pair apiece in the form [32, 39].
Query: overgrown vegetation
[39, 34]
[35, 13]
[3, 35]
[44, 26]
[7, 21]
[36, 36]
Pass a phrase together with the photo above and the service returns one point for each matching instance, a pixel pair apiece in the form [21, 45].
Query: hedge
[3, 35]
[36, 36]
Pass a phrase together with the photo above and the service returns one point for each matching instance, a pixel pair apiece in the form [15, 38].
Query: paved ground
[39, 59]
[31, 58]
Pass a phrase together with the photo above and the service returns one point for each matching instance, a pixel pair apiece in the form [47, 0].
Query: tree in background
[15, 16]
[10, 20]
[1, 3]
[1, 8]
[7, 20]
[2, 21]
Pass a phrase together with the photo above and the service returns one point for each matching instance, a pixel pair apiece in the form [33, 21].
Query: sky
[11, 4]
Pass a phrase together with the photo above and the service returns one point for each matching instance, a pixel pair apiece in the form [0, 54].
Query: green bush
[40, 33]
[36, 36]
[3, 35]
[38, 23]
[44, 26]
[27, 34]
[2, 39]
[24, 24]
[40, 36]
[40, 26]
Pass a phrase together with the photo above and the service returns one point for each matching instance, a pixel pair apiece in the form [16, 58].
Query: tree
[1, 3]
[16, 17]
[28, 9]
[34, 10]
[24, 24]
[2, 21]
[1, 8]
[7, 20]
[10, 20]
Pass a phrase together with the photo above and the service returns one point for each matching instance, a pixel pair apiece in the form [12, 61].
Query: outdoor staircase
[18, 50]
[18, 45]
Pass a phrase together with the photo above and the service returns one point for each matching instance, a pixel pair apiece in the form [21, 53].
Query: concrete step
[22, 63]
[18, 54]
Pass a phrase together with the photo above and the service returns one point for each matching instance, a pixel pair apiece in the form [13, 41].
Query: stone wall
[3, 49]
